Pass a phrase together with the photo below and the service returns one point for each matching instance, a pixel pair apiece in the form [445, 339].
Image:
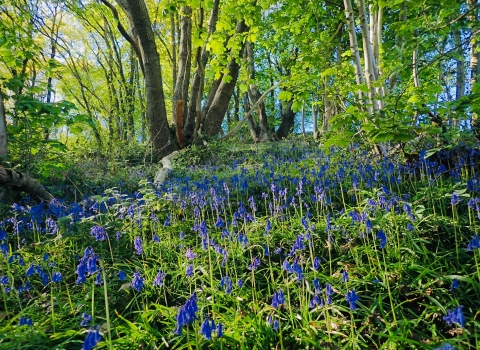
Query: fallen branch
[17, 181]
[254, 107]
[166, 161]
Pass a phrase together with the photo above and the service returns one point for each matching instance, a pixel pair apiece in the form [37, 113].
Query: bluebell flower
[121, 275]
[86, 319]
[30, 271]
[240, 283]
[25, 287]
[99, 233]
[278, 299]
[454, 285]
[383, 239]
[255, 264]
[474, 243]
[156, 239]
[189, 271]
[25, 321]
[158, 281]
[455, 199]
[455, 316]
[317, 286]
[57, 277]
[4, 249]
[226, 283]
[92, 339]
[190, 255]
[117, 235]
[345, 276]
[351, 297]
[316, 300]
[138, 245]
[186, 314]
[410, 227]
[329, 293]
[266, 251]
[46, 256]
[276, 324]
[219, 330]
[316, 263]
[98, 279]
[137, 281]
[207, 328]
[297, 269]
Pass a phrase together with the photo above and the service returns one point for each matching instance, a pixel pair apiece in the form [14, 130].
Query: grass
[286, 246]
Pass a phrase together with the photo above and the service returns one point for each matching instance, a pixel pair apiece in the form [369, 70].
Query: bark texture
[156, 113]
[215, 112]
[17, 181]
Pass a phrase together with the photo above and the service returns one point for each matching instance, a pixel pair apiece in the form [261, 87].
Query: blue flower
[25, 321]
[226, 283]
[158, 281]
[278, 299]
[156, 239]
[99, 233]
[86, 319]
[186, 313]
[316, 263]
[474, 243]
[455, 199]
[351, 297]
[455, 316]
[92, 339]
[121, 275]
[255, 264]
[137, 281]
[383, 239]
[206, 328]
[219, 330]
[329, 293]
[345, 276]
[316, 300]
[138, 245]
[240, 283]
[57, 277]
[454, 285]
[30, 271]
[189, 271]
[190, 255]
[98, 279]
[318, 287]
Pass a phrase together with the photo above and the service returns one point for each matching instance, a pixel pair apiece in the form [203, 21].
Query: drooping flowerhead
[455, 316]
[189, 271]
[121, 275]
[226, 283]
[137, 281]
[278, 299]
[158, 281]
[25, 321]
[92, 339]
[454, 285]
[455, 199]
[351, 297]
[86, 319]
[99, 233]
[255, 264]
[316, 263]
[345, 276]
[207, 328]
[57, 277]
[186, 313]
[138, 245]
[382, 238]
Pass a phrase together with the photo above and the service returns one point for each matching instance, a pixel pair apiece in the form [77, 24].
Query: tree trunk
[156, 113]
[3, 129]
[287, 123]
[215, 112]
[265, 132]
[180, 92]
[192, 121]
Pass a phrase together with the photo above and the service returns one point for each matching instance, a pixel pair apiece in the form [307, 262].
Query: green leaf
[285, 95]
